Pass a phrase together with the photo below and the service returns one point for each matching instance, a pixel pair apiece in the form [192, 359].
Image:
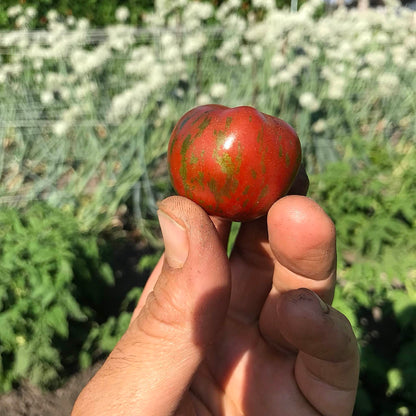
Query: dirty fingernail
[175, 239]
[323, 305]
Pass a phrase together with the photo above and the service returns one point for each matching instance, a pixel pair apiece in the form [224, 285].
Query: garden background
[89, 93]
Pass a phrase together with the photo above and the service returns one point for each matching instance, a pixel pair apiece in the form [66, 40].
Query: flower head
[122, 14]
[309, 102]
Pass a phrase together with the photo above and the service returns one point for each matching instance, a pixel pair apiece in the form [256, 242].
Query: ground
[30, 401]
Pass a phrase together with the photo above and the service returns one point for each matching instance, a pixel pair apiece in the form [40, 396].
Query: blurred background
[89, 93]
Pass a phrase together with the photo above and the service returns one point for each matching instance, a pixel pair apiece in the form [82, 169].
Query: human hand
[239, 336]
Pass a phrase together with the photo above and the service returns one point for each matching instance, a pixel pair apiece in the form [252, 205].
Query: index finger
[303, 240]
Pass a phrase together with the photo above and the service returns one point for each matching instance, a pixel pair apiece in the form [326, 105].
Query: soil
[31, 401]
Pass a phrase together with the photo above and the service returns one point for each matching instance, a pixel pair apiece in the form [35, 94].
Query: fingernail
[175, 239]
[324, 306]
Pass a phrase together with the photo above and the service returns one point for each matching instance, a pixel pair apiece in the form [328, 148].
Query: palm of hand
[278, 353]
[245, 374]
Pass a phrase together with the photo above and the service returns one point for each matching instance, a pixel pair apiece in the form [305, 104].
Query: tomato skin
[233, 162]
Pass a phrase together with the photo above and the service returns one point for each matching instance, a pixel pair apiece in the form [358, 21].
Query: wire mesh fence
[85, 114]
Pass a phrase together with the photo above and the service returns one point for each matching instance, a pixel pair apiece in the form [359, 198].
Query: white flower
[234, 4]
[410, 43]
[319, 126]
[156, 78]
[335, 54]
[21, 21]
[60, 127]
[12, 69]
[85, 90]
[387, 84]
[336, 88]
[363, 40]
[172, 68]
[87, 61]
[31, 12]
[300, 63]
[411, 65]
[46, 97]
[54, 80]
[52, 15]
[257, 32]
[400, 56]
[285, 76]
[3, 77]
[226, 52]
[197, 11]
[9, 39]
[129, 102]
[122, 14]
[120, 37]
[226, 8]
[37, 64]
[14, 11]
[70, 114]
[179, 92]
[257, 51]
[172, 55]
[165, 111]
[310, 7]
[168, 40]
[142, 58]
[70, 21]
[83, 23]
[246, 58]
[65, 93]
[265, 4]
[218, 90]
[194, 43]
[382, 38]
[273, 81]
[313, 51]
[365, 73]
[235, 25]
[203, 99]
[308, 101]
[376, 59]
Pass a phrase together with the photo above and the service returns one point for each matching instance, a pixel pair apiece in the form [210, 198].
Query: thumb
[150, 369]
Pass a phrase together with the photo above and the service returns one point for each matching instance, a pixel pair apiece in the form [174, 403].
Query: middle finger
[252, 262]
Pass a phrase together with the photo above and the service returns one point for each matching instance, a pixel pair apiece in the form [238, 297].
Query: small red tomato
[233, 162]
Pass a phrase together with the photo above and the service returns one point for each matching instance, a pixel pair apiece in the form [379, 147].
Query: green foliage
[52, 283]
[370, 197]
[86, 138]
[103, 12]
[87, 125]
[99, 13]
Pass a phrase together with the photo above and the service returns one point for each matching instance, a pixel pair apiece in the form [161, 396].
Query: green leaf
[56, 318]
[107, 274]
[84, 359]
[73, 308]
[395, 381]
[22, 361]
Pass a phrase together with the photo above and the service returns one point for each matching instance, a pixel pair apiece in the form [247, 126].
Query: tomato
[233, 162]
